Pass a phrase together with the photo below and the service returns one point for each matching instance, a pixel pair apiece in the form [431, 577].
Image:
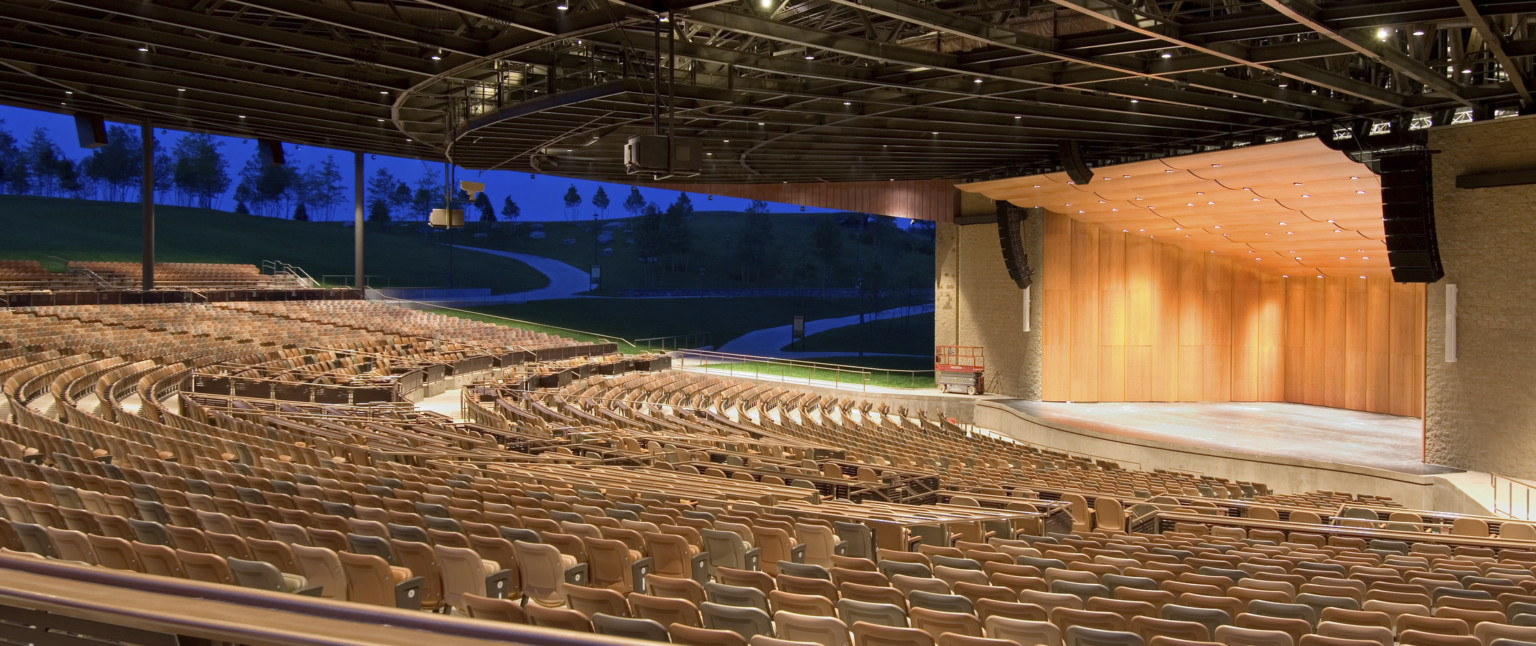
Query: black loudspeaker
[1408, 216]
[271, 152]
[1072, 161]
[1010, 219]
[91, 129]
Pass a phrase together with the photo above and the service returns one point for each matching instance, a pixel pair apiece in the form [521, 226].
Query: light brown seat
[868, 634]
[695, 636]
[1041, 633]
[322, 568]
[665, 610]
[591, 601]
[561, 618]
[825, 630]
[494, 609]
[1236, 636]
[205, 567]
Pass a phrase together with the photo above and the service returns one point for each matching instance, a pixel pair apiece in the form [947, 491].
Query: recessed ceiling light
[1465, 71]
[1135, 100]
[381, 119]
[1215, 165]
[935, 132]
[437, 57]
[1167, 55]
[1306, 196]
[562, 6]
[242, 116]
[181, 89]
[1383, 34]
[383, 91]
[978, 79]
[143, 48]
[810, 57]
[1018, 116]
[1418, 32]
[727, 141]
[1282, 224]
[69, 91]
[847, 103]
[759, 123]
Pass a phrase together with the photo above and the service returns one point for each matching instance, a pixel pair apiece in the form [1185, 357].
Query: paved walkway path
[770, 342]
[565, 281]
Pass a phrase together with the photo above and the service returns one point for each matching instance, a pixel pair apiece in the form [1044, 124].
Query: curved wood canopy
[1292, 208]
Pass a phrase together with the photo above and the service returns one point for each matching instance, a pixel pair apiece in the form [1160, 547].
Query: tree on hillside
[400, 199]
[325, 190]
[572, 201]
[379, 189]
[201, 175]
[828, 241]
[487, 210]
[600, 201]
[649, 241]
[635, 203]
[43, 158]
[509, 209]
[755, 249]
[165, 174]
[116, 166]
[268, 189]
[241, 209]
[677, 235]
[757, 206]
[14, 177]
[426, 197]
[300, 214]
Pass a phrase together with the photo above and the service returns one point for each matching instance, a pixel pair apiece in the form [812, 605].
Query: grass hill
[906, 255]
[55, 230]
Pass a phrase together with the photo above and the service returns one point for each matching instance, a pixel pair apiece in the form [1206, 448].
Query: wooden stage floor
[1264, 428]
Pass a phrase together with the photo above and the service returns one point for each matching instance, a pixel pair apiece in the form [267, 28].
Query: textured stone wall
[976, 303]
[1480, 412]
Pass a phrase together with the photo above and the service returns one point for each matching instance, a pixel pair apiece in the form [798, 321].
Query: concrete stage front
[1297, 431]
[1291, 447]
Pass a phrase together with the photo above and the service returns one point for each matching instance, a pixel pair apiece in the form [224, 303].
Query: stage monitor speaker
[1408, 217]
[1076, 167]
[92, 130]
[1010, 221]
[271, 152]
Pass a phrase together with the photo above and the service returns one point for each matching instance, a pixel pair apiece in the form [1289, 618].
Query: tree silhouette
[572, 201]
[201, 174]
[600, 200]
[116, 166]
[509, 209]
[487, 211]
[300, 214]
[635, 203]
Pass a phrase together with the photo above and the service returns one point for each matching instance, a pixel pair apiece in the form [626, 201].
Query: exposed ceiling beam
[1495, 42]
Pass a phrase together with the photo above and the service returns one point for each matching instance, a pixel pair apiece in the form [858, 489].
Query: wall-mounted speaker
[92, 130]
[271, 152]
[1408, 216]
[1010, 234]
[1076, 167]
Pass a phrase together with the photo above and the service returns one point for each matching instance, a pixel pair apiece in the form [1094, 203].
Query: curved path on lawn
[565, 281]
[769, 342]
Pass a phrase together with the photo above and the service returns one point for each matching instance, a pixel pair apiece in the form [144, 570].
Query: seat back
[322, 567]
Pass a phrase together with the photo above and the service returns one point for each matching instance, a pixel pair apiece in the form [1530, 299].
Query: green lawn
[723, 318]
[905, 335]
[54, 230]
[838, 369]
[907, 256]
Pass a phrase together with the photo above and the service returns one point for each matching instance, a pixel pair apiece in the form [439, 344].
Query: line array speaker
[1072, 160]
[271, 152]
[92, 130]
[1010, 219]
[1408, 216]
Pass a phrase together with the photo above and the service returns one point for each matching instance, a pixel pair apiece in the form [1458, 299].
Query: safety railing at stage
[1512, 498]
[793, 371]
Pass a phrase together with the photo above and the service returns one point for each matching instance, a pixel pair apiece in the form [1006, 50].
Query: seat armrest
[496, 584]
[841, 548]
[311, 591]
[637, 571]
[576, 574]
[408, 593]
[699, 567]
[797, 554]
[754, 555]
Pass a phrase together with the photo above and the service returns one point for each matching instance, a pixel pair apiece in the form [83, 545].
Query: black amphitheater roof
[780, 90]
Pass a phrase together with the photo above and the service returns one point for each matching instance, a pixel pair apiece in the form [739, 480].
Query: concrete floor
[1264, 428]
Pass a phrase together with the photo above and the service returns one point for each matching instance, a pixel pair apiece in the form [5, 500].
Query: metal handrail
[435, 306]
[1517, 499]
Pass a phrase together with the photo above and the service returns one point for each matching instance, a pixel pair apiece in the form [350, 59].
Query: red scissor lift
[958, 368]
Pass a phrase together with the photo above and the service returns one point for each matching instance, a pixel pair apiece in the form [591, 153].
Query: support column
[147, 196]
[357, 220]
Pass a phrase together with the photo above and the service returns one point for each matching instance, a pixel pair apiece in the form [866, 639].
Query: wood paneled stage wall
[1129, 318]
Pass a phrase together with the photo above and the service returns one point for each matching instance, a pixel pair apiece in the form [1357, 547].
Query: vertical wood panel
[1128, 318]
[1085, 312]
[1056, 320]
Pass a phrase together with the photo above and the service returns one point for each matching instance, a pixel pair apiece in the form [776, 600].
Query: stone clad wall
[1480, 412]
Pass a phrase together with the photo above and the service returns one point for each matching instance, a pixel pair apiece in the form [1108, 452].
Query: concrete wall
[1284, 475]
[1480, 412]
[977, 304]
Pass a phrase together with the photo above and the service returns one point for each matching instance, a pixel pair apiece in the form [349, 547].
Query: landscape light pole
[357, 221]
